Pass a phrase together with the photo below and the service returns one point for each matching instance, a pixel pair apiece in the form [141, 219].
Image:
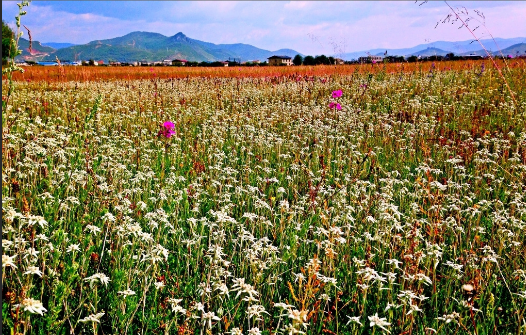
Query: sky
[309, 27]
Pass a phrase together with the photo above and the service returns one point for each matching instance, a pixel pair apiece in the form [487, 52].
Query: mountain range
[148, 46]
[442, 48]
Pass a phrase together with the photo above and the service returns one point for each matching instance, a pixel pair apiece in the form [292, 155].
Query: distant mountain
[38, 50]
[430, 52]
[147, 46]
[513, 50]
[57, 45]
[458, 48]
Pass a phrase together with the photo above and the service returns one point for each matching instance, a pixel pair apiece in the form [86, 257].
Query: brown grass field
[93, 73]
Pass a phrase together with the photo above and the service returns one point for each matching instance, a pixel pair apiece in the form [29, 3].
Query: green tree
[322, 59]
[8, 47]
[298, 60]
[308, 60]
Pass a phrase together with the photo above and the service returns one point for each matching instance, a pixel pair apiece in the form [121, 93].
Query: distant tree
[450, 56]
[91, 62]
[435, 58]
[309, 60]
[394, 59]
[412, 59]
[298, 60]
[8, 48]
[322, 59]
[332, 60]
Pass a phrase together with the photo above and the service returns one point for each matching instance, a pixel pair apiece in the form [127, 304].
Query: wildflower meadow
[369, 199]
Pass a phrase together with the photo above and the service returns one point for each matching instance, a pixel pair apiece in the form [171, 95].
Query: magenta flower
[167, 129]
[337, 94]
[335, 105]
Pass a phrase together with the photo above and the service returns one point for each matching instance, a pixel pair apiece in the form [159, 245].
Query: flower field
[370, 200]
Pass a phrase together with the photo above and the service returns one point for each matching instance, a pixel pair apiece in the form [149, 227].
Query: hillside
[458, 48]
[38, 51]
[430, 52]
[147, 46]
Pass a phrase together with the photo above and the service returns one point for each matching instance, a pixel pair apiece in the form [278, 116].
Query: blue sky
[309, 27]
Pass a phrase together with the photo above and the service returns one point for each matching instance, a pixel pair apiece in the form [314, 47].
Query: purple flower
[335, 105]
[337, 94]
[167, 129]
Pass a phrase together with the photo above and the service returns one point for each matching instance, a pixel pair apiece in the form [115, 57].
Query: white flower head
[8, 261]
[93, 318]
[354, 319]
[208, 317]
[254, 331]
[33, 270]
[73, 247]
[101, 277]
[126, 293]
[32, 306]
[380, 322]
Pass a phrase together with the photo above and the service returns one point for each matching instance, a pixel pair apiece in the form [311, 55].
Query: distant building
[339, 61]
[279, 60]
[370, 59]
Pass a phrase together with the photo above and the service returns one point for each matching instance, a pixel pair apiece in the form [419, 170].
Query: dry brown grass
[93, 73]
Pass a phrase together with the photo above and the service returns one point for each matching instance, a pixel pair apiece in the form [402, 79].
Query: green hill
[147, 46]
[38, 51]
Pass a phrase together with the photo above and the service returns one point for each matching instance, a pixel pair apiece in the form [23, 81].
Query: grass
[83, 73]
[268, 212]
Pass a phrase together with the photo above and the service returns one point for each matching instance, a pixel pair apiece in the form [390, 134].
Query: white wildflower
[73, 247]
[33, 270]
[8, 261]
[93, 318]
[354, 319]
[101, 277]
[380, 322]
[32, 306]
[126, 293]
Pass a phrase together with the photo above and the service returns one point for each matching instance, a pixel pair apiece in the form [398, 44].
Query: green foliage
[309, 60]
[8, 47]
[298, 60]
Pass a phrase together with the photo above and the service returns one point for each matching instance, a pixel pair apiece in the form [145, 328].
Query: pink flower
[337, 94]
[335, 105]
[167, 129]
